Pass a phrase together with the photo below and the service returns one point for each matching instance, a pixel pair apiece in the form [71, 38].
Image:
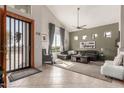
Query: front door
[18, 43]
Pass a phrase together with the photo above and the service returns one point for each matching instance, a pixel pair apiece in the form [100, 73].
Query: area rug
[91, 69]
[22, 74]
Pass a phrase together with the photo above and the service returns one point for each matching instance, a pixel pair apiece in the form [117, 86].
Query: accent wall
[107, 45]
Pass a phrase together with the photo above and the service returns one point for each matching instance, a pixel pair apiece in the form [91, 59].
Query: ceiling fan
[78, 27]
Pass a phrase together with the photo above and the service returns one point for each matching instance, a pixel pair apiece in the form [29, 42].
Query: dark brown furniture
[46, 58]
[93, 55]
[64, 55]
[79, 58]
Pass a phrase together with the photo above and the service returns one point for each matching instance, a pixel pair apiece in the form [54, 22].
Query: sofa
[93, 55]
[66, 55]
[114, 69]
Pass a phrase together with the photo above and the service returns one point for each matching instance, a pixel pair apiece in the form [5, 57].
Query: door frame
[6, 13]
[3, 50]
[31, 21]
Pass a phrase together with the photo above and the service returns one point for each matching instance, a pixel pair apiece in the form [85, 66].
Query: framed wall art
[88, 44]
[44, 37]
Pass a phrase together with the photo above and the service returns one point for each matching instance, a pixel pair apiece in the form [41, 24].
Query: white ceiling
[90, 15]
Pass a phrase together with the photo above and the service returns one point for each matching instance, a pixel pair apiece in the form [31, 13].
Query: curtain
[51, 36]
[62, 35]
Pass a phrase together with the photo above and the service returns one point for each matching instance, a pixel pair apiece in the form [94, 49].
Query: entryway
[18, 43]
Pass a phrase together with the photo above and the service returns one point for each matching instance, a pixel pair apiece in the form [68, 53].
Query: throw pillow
[123, 63]
[123, 60]
[71, 52]
[118, 60]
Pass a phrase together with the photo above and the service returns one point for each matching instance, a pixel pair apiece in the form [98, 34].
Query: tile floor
[54, 77]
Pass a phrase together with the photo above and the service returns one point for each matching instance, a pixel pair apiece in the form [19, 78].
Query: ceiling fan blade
[74, 26]
[83, 26]
[77, 29]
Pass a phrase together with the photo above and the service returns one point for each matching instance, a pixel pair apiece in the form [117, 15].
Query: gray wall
[108, 44]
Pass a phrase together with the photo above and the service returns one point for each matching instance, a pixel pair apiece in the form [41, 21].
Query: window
[56, 41]
[22, 8]
[107, 34]
[84, 37]
[75, 37]
[94, 36]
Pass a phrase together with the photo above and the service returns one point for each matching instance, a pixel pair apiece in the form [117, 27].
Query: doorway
[17, 44]
[20, 42]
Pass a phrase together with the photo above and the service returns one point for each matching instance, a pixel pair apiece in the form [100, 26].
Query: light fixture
[75, 37]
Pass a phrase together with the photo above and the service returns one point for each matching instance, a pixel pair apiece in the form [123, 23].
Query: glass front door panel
[17, 44]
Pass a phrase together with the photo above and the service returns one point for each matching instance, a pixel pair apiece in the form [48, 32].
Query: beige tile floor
[54, 77]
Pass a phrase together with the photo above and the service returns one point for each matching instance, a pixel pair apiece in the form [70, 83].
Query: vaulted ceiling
[90, 15]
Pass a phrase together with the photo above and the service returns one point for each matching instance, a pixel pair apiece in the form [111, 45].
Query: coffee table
[79, 58]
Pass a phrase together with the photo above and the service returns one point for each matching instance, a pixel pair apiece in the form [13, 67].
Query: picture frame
[44, 37]
[88, 44]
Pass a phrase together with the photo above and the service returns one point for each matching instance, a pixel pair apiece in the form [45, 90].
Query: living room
[89, 45]
[66, 42]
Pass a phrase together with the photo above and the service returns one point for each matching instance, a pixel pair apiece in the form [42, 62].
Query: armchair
[112, 69]
[46, 58]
